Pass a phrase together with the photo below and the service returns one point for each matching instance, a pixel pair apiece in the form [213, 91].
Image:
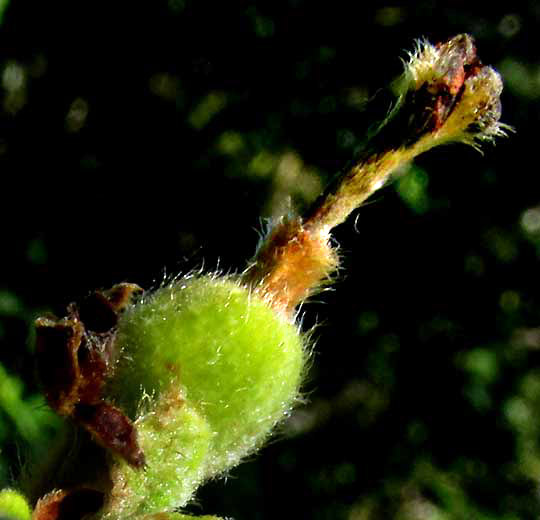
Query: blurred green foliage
[153, 137]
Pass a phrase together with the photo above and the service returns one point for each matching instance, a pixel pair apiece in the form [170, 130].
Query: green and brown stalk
[444, 95]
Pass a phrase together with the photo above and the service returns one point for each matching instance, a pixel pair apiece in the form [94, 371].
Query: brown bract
[75, 357]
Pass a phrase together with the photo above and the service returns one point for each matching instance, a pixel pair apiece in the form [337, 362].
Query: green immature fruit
[206, 368]
[239, 363]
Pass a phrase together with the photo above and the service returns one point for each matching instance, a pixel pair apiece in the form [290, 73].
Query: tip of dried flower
[461, 96]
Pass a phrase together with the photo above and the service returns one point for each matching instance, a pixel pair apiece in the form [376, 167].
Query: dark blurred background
[147, 139]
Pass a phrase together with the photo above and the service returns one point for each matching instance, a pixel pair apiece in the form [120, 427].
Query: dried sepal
[75, 357]
[48, 507]
[57, 346]
[113, 429]
[73, 504]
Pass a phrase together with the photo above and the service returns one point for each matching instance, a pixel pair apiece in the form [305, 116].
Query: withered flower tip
[461, 96]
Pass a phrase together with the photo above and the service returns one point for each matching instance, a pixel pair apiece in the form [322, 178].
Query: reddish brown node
[292, 265]
[75, 357]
